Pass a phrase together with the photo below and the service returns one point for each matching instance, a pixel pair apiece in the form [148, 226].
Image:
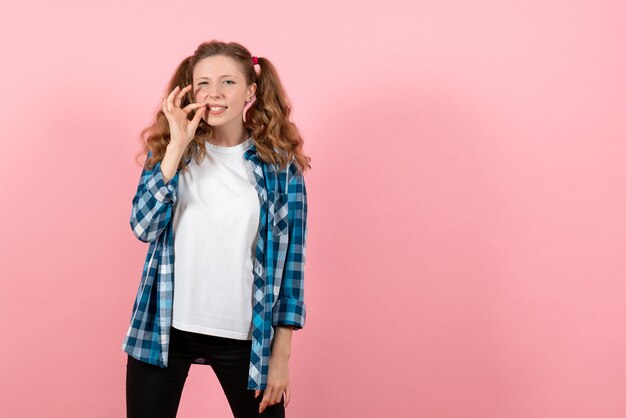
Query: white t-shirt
[215, 226]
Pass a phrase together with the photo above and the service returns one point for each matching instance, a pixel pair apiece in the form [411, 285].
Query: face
[217, 80]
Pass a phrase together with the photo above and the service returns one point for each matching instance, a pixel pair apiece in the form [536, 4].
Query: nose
[214, 91]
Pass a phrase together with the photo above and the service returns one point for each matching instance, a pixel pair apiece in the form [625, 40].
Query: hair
[277, 139]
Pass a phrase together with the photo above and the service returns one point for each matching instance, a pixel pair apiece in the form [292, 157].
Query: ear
[251, 90]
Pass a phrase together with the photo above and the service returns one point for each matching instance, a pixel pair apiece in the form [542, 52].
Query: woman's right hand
[182, 130]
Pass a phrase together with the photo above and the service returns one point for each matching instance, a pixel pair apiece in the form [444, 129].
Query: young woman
[222, 201]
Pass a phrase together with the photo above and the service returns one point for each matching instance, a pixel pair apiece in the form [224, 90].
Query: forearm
[170, 162]
[282, 341]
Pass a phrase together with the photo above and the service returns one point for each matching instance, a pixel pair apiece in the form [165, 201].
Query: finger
[193, 105]
[266, 397]
[275, 398]
[170, 98]
[287, 396]
[196, 121]
[257, 393]
[164, 108]
[179, 97]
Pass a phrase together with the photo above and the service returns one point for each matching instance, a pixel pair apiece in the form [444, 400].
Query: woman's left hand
[277, 381]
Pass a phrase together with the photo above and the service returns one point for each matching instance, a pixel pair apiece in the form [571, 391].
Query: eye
[229, 81]
[202, 82]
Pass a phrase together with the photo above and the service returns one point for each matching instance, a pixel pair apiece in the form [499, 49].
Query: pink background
[466, 203]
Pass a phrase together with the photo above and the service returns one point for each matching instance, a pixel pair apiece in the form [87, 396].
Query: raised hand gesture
[182, 130]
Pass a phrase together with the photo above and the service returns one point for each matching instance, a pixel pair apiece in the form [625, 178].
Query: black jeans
[155, 392]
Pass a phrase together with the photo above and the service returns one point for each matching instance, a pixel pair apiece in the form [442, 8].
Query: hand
[182, 130]
[277, 382]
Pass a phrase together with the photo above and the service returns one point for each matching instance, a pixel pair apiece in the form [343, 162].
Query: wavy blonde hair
[277, 139]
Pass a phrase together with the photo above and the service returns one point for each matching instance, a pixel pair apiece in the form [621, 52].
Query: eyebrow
[206, 78]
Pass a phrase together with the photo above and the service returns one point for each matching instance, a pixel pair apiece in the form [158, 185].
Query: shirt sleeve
[290, 309]
[152, 203]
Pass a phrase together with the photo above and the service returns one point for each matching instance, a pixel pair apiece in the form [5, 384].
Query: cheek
[200, 93]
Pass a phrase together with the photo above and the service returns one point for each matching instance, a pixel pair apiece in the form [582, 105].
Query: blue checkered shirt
[278, 292]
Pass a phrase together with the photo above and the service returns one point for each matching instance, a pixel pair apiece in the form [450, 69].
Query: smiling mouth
[216, 110]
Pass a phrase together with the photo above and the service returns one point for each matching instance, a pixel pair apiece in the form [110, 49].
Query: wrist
[281, 352]
[282, 342]
[175, 147]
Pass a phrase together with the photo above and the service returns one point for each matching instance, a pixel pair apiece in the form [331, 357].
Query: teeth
[217, 108]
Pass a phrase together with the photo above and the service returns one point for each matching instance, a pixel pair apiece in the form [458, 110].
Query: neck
[228, 136]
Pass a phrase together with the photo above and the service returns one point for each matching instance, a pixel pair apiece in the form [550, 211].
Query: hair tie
[255, 60]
